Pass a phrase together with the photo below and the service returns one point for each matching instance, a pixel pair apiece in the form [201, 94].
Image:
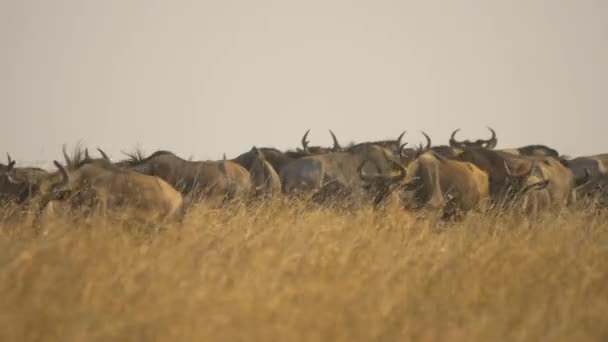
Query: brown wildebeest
[336, 173]
[435, 182]
[198, 180]
[264, 178]
[101, 187]
[533, 150]
[479, 143]
[19, 184]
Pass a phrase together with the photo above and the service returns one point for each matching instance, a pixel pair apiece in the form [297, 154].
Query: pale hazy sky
[205, 77]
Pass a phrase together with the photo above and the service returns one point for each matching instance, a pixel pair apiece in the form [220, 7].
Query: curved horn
[305, 142]
[68, 161]
[401, 149]
[86, 154]
[508, 169]
[103, 154]
[64, 174]
[10, 165]
[337, 146]
[398, 141]
[8, 172]
[428, 141]
[491, 143]
[453, 141]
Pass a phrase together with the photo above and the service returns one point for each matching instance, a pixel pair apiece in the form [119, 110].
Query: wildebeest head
[518, 183]
[393, 145]
[380, 185]
[307, 149]
[277, 159]
[7, 171]
[21, 183]
[479, 143]
[263, 176]
[58, 188]
[408, 154]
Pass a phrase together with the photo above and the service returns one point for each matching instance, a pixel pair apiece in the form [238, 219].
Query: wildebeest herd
[449, 179]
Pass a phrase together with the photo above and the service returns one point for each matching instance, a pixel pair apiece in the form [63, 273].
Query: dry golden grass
[286, 273]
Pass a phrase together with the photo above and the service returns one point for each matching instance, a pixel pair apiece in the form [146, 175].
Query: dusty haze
[202, 78]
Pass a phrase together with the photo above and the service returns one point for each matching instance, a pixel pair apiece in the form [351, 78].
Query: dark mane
[74, 159]
[79, 157]
[105, 164]
[297, 154]
[529, 149]
[381, 143]
[33, 169]
[138, 157]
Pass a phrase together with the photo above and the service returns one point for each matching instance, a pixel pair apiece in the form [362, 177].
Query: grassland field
[288, 272]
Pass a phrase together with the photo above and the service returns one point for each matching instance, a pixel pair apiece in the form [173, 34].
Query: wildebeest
[492, 162]
[596, 165]
[533, 150]
[528, 150]
[318, 149]
[479, 143]
[18, 184]
[597, 168]
[408, 154]
[218, 180]
[595, 191]
[101, 187]
[393, 145]
[337, 170]
[264, 178]
[533, 196]
[433, 181]
[561, 186]
[278, 159]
